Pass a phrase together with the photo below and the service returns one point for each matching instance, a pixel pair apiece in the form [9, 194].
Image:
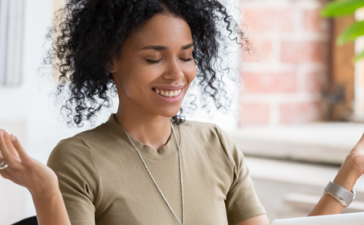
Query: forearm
[345, 178]
[51, 209]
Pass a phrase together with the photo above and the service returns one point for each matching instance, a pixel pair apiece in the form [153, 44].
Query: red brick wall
[284, 72]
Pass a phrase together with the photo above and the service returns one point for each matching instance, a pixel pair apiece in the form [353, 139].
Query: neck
[153, 131]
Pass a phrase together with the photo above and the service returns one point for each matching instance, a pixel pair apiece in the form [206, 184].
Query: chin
[169, 113]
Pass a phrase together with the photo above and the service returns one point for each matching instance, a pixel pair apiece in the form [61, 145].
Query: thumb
[22, 154]
[362, 138]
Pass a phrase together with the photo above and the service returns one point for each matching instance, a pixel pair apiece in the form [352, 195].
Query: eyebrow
[159, 47]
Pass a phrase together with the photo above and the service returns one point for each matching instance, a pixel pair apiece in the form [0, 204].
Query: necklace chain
[150, 174]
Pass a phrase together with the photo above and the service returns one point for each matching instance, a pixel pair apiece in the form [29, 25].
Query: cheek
[190, 73]
[136, 81]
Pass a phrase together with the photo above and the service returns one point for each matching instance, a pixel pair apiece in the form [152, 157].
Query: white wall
[26, 110]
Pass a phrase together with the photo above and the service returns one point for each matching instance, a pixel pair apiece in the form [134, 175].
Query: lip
[168, 99]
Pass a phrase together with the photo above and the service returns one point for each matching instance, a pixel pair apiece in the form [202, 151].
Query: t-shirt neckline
[162, 153]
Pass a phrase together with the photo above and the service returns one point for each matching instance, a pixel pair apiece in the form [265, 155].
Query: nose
[173, 71]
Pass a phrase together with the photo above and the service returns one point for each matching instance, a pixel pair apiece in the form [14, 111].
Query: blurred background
[297, 112]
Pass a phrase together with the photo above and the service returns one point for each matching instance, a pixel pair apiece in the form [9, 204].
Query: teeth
[168, 93]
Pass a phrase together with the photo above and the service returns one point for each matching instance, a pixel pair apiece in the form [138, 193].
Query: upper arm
[257, 220]
[241, 202]
[71, 160]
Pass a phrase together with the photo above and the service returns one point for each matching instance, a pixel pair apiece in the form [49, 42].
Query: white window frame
[11, 41]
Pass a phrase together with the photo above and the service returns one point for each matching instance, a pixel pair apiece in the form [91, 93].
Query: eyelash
[157, 61]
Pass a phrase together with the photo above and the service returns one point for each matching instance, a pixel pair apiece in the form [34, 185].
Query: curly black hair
[89, 34]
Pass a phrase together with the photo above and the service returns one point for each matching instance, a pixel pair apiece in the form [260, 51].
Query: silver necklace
[150, 174]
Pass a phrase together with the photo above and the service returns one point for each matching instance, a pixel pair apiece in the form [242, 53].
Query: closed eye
[153, 61]
[186, 60]
[157, 61]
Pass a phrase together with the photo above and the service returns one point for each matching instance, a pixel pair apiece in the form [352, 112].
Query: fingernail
[1, 132]
[13, 138]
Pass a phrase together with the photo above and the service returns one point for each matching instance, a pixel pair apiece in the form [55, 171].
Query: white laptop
[338, 219]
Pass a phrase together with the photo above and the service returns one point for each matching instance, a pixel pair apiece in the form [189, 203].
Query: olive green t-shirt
[103, 180]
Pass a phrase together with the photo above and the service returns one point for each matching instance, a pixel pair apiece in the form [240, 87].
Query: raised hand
[348, 174]
[356, 157]
[39, 179]
[24, 170]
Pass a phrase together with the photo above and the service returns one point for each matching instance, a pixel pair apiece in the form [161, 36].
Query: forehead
[162, 29]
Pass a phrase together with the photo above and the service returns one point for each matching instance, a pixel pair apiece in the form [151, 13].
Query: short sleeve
[72, 162]
[241, 202]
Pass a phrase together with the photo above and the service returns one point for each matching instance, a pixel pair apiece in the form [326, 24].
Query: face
[156, 67]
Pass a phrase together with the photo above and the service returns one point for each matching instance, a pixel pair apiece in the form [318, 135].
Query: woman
[145, 165]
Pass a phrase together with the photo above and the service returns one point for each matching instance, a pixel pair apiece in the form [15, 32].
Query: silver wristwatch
[341, 193]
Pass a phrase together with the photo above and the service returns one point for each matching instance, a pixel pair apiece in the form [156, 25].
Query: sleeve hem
[242, 216]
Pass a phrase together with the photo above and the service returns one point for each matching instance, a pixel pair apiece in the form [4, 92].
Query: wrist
[49, 186]
[348, 174]
[355, 162]
[46, 197]
[44, 193]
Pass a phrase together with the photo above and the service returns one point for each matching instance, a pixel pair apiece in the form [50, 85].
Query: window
[11, 41]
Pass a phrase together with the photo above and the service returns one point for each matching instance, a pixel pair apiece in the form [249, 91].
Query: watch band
[341, 193]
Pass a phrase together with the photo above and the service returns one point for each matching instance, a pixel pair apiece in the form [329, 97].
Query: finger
[18, 148]
[7, 156]
[1, 157]
[10, 145]
[6, 174]
[361, 141]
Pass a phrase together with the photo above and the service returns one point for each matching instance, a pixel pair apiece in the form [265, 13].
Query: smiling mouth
[167, 93]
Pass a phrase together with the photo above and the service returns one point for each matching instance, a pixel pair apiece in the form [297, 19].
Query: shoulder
[198, 128]
[215, 138]
[203, 130]
[72, 158]
[83, 141]
[76, 150]
[70, 151]
[196, 124]
[73, 163]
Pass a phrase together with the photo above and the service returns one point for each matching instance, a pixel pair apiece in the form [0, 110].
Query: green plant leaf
[351, 33]
[341, 8]
[359, 57]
